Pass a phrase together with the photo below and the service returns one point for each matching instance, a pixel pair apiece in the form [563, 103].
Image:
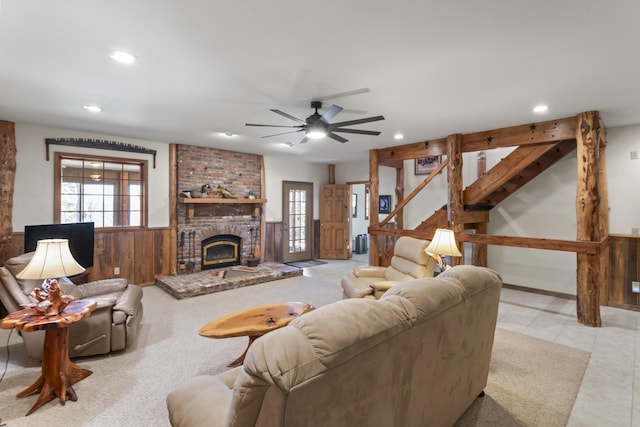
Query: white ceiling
[432, 67]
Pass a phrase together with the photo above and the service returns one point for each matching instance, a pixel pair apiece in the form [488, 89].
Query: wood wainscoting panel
[624, 256]
[273, 241]
[141, 254]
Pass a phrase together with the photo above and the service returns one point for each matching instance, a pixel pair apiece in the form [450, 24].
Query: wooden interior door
[297, 214]
[335, 221]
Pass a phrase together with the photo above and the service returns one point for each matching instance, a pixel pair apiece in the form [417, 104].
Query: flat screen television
[80, 236]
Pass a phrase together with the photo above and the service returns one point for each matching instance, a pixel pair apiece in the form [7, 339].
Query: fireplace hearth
[222, 250]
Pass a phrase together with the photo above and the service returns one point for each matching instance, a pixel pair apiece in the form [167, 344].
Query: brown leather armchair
[112, 326]
[409, 261]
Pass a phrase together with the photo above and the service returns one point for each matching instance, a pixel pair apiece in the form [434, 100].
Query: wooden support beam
[587, 212]
[455, 206]
[389, 156]
[399, 197]
[534, 133]
[7, 179]
[603, 216]
[531, 242]
[332, 174]
[479, 255]
[374, 195]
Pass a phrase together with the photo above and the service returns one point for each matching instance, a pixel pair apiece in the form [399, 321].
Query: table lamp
[443, 244]
[51, 259]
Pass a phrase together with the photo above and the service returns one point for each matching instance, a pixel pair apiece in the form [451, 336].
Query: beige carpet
[531, 383]
[531, 380]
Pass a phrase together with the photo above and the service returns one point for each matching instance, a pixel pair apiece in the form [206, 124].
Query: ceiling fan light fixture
[315, 131]
[316, 134]
[123, 57]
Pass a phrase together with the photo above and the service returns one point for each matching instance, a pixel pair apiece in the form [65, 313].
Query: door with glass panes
[297, 217]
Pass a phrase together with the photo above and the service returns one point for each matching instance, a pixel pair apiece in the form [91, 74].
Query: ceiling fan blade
[274, 126]
[283, 133]
[289, 116]
[356, 122]
[361, 132]
[343, 94]
[337, 137]
[331, 113]
[304, 140]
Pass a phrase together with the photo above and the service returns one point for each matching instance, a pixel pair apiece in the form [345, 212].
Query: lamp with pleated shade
[443, 244]
[52, 259]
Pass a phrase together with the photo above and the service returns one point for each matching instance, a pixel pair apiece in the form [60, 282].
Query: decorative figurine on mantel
[203, 192]
[251, 195]
[224, 193]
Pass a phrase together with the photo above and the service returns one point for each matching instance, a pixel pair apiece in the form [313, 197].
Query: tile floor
[607, 396]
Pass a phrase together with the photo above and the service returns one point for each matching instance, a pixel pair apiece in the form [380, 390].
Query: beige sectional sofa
[419, 356]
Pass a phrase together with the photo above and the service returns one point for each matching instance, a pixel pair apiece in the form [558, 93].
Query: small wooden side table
[254, 322]
[58, 372]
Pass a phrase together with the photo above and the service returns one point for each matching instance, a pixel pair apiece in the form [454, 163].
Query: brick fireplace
[239, 173]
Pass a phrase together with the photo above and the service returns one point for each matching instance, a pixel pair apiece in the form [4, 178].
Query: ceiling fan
[317, 126]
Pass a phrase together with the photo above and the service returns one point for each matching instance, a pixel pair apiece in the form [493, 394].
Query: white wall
[33, 191]
[359, 225]
[623, 176]
[359, 171]
[278, 169]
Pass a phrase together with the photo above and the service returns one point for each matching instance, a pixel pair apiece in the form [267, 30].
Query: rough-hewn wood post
[605, 264]
[455, 205]
[332, 174]
[400, 197]
[374, 193]
[587, 213]
[7, 179]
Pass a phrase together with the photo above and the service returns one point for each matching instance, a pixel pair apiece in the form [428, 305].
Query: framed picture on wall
[425, 165]
[384, 204]
[354, 205]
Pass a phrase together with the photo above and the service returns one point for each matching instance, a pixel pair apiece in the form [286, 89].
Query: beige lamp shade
[51, 260]
[443, 243]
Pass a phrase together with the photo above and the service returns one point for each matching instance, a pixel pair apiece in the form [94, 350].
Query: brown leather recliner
[110, 327]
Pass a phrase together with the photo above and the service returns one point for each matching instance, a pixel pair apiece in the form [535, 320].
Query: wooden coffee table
[58, 372]
[254, 322]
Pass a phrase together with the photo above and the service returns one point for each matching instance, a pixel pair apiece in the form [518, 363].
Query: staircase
[514, 171]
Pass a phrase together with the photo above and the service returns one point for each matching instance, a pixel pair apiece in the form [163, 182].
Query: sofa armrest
[369, 271]
[352, 287]
[384, 285]
[201, 401]
[129, 300]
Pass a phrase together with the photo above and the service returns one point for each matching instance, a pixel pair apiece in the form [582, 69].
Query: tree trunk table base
[58, 373]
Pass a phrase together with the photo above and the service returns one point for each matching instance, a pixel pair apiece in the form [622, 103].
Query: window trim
[144, 191]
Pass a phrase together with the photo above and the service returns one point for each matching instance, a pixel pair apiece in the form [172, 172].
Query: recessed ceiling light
[540, 108]
[121, 56]
[398, 136]
[93, 108]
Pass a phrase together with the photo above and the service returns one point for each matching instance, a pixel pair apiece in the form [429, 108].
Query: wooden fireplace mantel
[191, 202]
